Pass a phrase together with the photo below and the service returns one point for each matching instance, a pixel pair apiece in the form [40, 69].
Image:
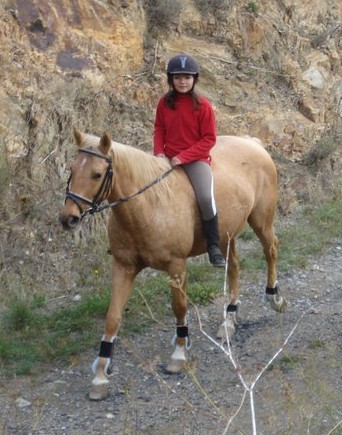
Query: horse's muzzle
[69, 222]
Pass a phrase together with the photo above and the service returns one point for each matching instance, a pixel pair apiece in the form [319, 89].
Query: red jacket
[186, 132]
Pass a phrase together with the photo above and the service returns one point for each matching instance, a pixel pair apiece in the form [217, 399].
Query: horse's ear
[105, 143]
[78, 137]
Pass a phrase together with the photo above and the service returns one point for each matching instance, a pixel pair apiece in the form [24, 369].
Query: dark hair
[170, 97]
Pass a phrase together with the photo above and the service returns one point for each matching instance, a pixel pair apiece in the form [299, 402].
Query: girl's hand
[175, 162]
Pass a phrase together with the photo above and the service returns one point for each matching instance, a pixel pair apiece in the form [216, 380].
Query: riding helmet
[182, 64]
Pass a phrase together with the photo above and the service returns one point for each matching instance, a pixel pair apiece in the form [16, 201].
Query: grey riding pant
[202, 181]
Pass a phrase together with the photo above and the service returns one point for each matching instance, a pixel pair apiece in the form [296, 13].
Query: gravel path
[300, 393]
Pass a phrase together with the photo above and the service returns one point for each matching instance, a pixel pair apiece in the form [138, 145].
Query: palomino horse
[155, 222]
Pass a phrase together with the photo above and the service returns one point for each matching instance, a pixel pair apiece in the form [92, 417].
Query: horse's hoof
[175, 366]
[277, 302]
[227, 328]
[99, 392]
[281, 308]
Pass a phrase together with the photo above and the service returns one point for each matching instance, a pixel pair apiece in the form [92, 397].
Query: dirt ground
[300, 393]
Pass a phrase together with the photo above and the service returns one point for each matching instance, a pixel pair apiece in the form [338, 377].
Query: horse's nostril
[73, 221]
[69, 222]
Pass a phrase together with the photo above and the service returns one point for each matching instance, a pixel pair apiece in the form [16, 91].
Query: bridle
[102, 192]
[96, 205]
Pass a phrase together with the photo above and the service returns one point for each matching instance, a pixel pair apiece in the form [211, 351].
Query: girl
[185, 132]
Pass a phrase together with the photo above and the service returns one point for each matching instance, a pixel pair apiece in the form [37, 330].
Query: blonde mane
[142, 168]
[139, 167]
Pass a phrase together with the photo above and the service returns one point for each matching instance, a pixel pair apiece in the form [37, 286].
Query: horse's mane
[142, 168]
[139, 167]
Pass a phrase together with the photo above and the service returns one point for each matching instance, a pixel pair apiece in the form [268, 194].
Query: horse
[154, 221]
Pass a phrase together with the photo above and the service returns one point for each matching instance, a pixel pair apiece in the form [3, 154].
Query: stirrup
[217, 260]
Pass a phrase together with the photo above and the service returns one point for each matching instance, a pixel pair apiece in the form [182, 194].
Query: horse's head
[90, 178]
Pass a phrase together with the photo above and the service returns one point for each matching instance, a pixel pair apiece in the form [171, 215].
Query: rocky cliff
[272, 69]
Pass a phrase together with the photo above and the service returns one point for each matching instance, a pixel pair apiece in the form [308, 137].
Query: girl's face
[183, 83]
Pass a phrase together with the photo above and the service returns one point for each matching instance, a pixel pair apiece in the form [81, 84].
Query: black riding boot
[212, 236]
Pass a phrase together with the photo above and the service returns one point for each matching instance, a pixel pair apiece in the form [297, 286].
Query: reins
[96, 205]
[127, 198]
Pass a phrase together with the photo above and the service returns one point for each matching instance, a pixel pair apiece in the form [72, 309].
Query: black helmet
[182, 64]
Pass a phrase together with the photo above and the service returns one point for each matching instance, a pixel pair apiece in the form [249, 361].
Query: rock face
[79, 33]
[271, 69]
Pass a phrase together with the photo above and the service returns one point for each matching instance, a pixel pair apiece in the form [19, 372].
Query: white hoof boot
[99, 389]
[178, 360]
[175, 365]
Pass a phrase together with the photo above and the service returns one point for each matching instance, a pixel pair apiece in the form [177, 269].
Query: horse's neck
[135, 211]
[135, 170]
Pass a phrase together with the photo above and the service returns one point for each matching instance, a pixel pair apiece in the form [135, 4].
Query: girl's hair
[170, 97]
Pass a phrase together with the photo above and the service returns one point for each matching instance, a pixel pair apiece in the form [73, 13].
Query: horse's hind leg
[178, 276]
[227, 327]
[262, 224]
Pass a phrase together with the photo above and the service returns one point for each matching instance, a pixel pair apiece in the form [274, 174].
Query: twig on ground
[229, 353]
[150, 311]
[280, 350]
[236, 413]
[202, 390]
[335, 427]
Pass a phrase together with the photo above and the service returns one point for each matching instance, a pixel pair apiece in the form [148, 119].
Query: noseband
[96, 205]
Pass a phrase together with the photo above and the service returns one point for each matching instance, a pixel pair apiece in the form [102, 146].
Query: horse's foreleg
[177, 273]
[122, 283]
[227, 328]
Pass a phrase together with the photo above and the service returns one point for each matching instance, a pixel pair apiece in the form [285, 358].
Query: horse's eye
[96, 176]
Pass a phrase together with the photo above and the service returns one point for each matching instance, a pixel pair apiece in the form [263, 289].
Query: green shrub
[19, 316]
[252, 7]
[320, 151]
